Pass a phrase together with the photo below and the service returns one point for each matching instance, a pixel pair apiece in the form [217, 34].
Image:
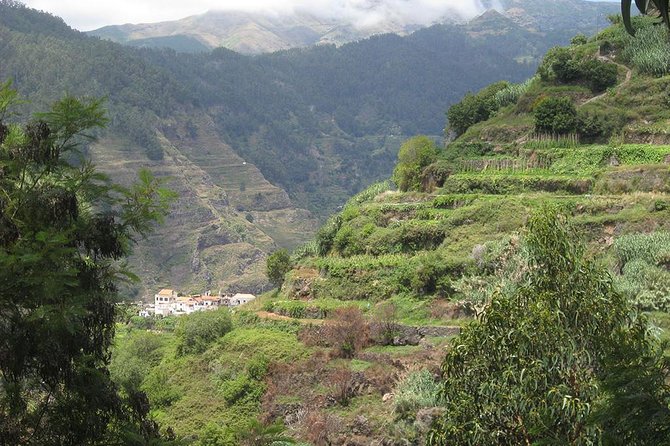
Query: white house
[168, 302]
[164, 301]
[240, 299]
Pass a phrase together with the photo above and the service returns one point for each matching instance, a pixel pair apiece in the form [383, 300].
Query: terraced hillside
[350, 346]
[483, 186]
[227, 216]
[435, 253]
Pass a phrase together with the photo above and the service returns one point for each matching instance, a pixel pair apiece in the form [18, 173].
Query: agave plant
[660, 7]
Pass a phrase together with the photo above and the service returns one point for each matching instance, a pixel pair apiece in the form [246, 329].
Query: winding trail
[629, 75]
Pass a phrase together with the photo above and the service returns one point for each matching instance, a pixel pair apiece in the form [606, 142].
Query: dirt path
[629, 74]
[279, 317]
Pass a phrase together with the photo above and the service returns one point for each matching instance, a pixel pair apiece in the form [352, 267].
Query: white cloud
[91, 14]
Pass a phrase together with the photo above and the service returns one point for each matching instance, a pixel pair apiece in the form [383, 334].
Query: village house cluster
[168, 302]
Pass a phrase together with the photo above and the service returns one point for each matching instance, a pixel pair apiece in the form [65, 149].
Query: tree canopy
[415, 154]
[64, 231]
[562, 358]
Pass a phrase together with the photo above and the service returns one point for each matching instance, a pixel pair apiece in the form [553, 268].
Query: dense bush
[474, 108]
[579, 39]
[555, 115]
[564, 66]
[415, 154]
[432, 274]
[600, 75]
[325, 236]
[195, 332]
[593, 125]
[241, 389]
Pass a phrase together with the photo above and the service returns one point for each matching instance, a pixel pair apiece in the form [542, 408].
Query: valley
[458, 235]
[314, 126]
[404, 271]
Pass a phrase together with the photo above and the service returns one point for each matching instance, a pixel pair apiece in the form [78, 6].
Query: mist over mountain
[301, 23]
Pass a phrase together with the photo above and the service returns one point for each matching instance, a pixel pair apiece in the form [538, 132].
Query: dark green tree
[64, 232]
[555, 115]
[278, 264]
[600, 75]
[474, 108]
[415, 154]
[562, 359]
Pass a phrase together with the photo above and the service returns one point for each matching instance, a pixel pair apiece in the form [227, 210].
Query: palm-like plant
[660, 7]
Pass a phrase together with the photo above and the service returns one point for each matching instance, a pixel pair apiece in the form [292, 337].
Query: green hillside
[361, 324]
[259, 148]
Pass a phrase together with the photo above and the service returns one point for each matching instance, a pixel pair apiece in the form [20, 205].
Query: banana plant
[661, 7]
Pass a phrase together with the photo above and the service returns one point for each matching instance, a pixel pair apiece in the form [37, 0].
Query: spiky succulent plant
[657, 7]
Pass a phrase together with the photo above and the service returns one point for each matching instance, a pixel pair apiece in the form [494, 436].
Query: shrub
[347, 331]
[159, 389]
[386, 325]
[325, 236]
[215, 435]
[431, 275]
[555, 115]
[579, 39]
[565, 67]
[598, 126]
[418, 390]
[195, 332]
[474, 108]
[415, 154]
[242, 389]
[341, 380]
[600, 75]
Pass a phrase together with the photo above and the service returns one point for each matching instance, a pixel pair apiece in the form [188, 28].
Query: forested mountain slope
[262, 32]
[249, 141]
[356, 334]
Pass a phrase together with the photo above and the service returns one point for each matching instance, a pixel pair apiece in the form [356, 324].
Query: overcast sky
[91, 14]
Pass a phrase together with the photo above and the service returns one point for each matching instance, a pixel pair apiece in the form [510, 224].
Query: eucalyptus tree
[562, 359]
[65, 230]
[650, 7]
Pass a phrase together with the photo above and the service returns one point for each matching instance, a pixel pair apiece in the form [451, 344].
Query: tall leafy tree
[414, 155]
[64, 232]
[277, 265]
[550, 362]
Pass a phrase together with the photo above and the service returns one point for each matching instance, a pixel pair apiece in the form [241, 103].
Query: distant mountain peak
[269, 31]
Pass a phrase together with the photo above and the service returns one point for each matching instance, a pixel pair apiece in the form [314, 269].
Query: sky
[86, 15]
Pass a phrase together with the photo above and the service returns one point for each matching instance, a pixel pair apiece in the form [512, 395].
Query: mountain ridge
[313, 125]
[257, 32]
